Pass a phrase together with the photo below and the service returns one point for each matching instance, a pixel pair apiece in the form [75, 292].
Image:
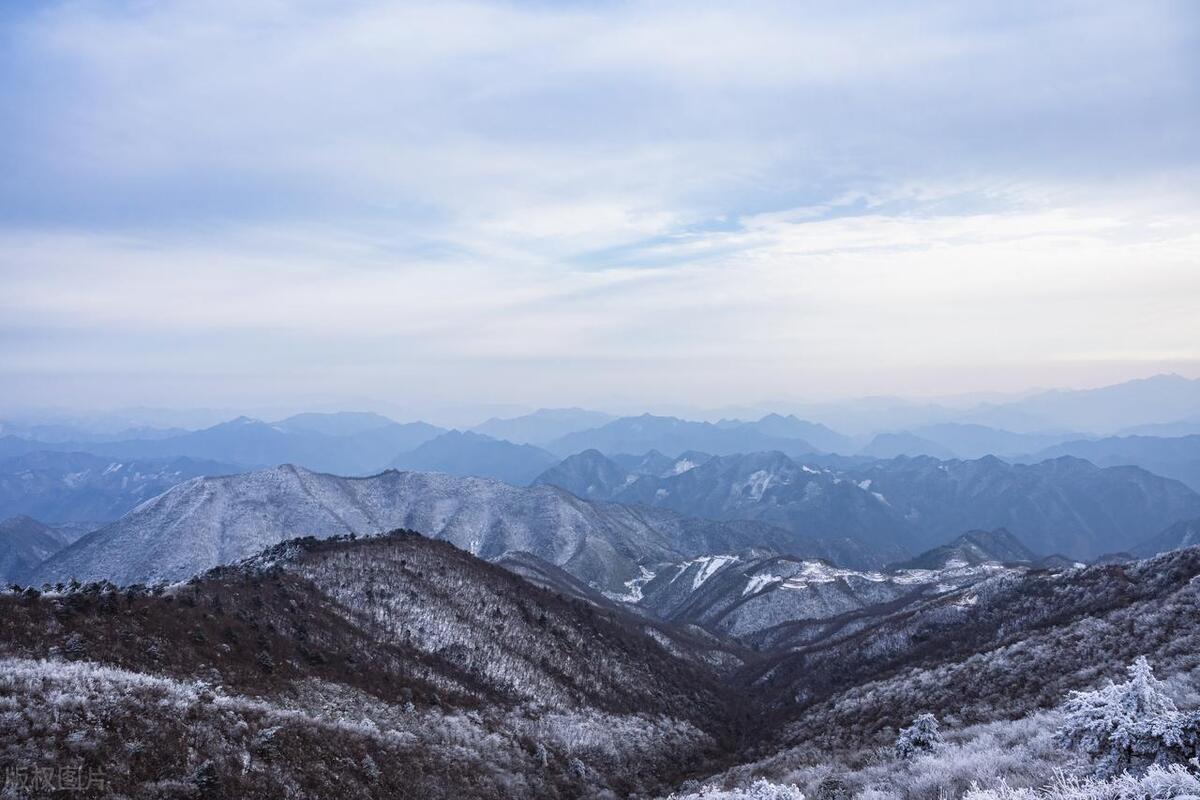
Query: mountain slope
[1185, 533]
[673, 436]
[1064, 505]
[1177, 457]
[772, 488]
[542, 426]
[394, 666]
[891, 445]
[25, 543]
[80, 487]
[973, 548]
[590, 475]
[977, 441]
[997, 649]
[1157, 399]
[458, 453]
[821, 437]
[210, 521]
[250, 443]
[341, 423]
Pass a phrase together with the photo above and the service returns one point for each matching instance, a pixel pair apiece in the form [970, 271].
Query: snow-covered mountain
[209, 521]
[767, 600]
[771, 487]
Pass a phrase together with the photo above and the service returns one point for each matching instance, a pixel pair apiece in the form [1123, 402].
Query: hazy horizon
[467, 414]
[618, 206]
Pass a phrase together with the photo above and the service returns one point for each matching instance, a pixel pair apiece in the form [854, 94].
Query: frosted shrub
[1157, 783]
[759, 790]
[923, 736]
[1128, 726]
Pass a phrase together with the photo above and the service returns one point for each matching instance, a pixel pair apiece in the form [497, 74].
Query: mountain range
[1172, 457]
[672, 436]
[542, 426]
[898, 507]
[335, 442]
[58, 487]
[205, 522]
[473, 454]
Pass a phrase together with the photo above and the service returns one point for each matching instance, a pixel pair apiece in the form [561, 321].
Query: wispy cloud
[548, 202]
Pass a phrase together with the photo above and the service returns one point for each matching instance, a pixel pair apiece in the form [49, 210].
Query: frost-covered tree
[759, 790]
[1127, 727]
[923, 736]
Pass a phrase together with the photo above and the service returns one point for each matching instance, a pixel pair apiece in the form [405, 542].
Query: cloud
[577, 201]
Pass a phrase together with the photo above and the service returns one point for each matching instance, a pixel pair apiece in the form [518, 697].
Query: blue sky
[615, 204]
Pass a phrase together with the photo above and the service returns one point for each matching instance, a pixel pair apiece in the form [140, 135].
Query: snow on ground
[634, 586]
[758, 582]
[682, 466]
[708, 567]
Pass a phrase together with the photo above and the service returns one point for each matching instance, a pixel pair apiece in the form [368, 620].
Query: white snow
[760, 582]
[756, 485]
[817, 572]
[708, 567]
[682, 466]
[634, 585]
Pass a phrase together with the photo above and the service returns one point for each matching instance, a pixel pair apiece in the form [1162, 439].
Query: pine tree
[1126, 727]
[923, 736]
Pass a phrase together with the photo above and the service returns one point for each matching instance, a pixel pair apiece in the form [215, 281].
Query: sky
[220, 203]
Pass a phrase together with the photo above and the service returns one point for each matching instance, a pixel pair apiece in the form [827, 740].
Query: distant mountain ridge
[251, 443]
[58, 487]
[899, 507]
[542, 426]
[25, 543]
[672, 436]
[1173, 457]
[1064, 505]
[473, 454]
[206, 522]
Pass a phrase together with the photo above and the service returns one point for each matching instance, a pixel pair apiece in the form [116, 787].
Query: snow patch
[708, 567]
[634, 588]
[759, 582]
[682, 466]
